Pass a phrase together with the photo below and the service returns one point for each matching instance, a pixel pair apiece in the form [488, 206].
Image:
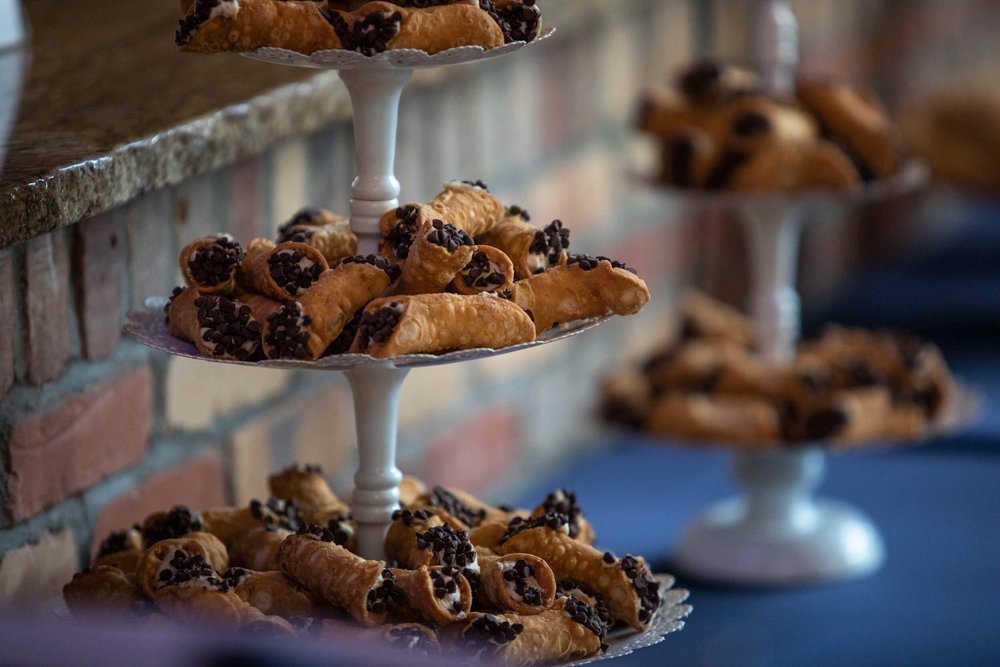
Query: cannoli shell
[204, 544]
[255, 273]
[435, 29]
[228, 523]
[182, 320]
[127, 561]
[421, 601]
[194, 605]
[574, 560]
[101, 589]
[514, 236]
[335, 574]
[410, 489]
[499, 263]
[273, 593]
[250, 24]
[493, 589]
[468, 207]
[335, 240]
[257, 548]
[306, 487]
[401, 542]
[720, 418]
[432, 323]
[487, 534]
[566, 293]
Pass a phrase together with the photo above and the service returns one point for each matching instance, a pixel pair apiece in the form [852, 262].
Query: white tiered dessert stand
[777, 532]
[375, 84]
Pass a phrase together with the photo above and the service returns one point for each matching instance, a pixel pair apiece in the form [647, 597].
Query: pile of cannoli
[516, 586]
[718, 130]
[462, 271]
[847, 387]
[362, 26]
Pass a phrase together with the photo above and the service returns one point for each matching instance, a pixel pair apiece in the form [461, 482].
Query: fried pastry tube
[305, 328]
[420, 538]
[365, 589]
[745, 420]
[273, 593]
[102, 589]
[329, 233]
[627, 586]
[414, 638]
[257, 548]
[211, 264]
[433, 323]
[306, 485]
[489, 270]
[438, 253]
[468, 206]
[399, 227]
[585, 287]
[123, 550]
[436, 595]
[244, 25]
[382, 26]
[281, 271]
[487, 534]
[520, 20]
[157, 561]
[410, 489]
[465, 507]
[532, 250]
[522, 583]
[220, 327]
[569, 630]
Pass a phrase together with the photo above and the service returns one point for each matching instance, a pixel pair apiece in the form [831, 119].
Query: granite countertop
[110, 108]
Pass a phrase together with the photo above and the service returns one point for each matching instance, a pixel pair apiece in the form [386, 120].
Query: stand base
[824, 541]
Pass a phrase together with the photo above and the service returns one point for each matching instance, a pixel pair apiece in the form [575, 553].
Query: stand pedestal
[778, 532]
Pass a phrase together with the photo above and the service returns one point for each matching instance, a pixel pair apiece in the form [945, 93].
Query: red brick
[7, 322]
[474, 454]
[46, 280]
[32, 575]
[245, 201]
[100, 256]
[64, 450]
[197, 483]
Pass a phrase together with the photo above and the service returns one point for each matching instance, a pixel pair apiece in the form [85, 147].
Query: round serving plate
[669, 618]
[148, 327]
[395, 59]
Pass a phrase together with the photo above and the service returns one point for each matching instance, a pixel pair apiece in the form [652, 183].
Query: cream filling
[537, 262]
[227, 8]
[511, 586]
[449, 600]
[305, 263]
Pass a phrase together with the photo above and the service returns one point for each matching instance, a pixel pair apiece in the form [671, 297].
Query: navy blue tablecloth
[935, 602]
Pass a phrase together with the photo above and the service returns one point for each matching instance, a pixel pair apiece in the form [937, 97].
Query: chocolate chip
[519, 212]
[700, 78]
[751, 123]
[441, 497]
[179, 521]
[286, 336]
[189, 25]
[678, 160]
[216, 263]
[377, 326]
[368, 35]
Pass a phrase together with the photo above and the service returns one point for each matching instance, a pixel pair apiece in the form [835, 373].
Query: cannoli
[585, 287]
[273, 593]
[746, 420]
[229, 523]
[305, 328]
[103, 589]
[382, 26]
[469, 206]
[413, 638]
[563, 501]
[123, 550]
[219, 327]
[522, 583]
[365, 589]
[856, 120]
[256, 549]
[436, 595]
[794, 168]
[306, 485]
[410, 489]
[399, 227]
[569, 630]
[532, 250]
[582, 591]
[520, 20]
[419, 538]
[245, 25]
[465, 507]
[687, 158]
[211, 264]
[707, 81]
[156, 565]
[489, 270]
[281, 271]
[438, 253]
[176, 522]
[625, 398]
[703, 317]
[626, 584]
[432, 323]
[330, 234]
[486, 536]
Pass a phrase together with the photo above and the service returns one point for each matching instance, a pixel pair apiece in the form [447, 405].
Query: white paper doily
[148, 327]
[397, 58]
